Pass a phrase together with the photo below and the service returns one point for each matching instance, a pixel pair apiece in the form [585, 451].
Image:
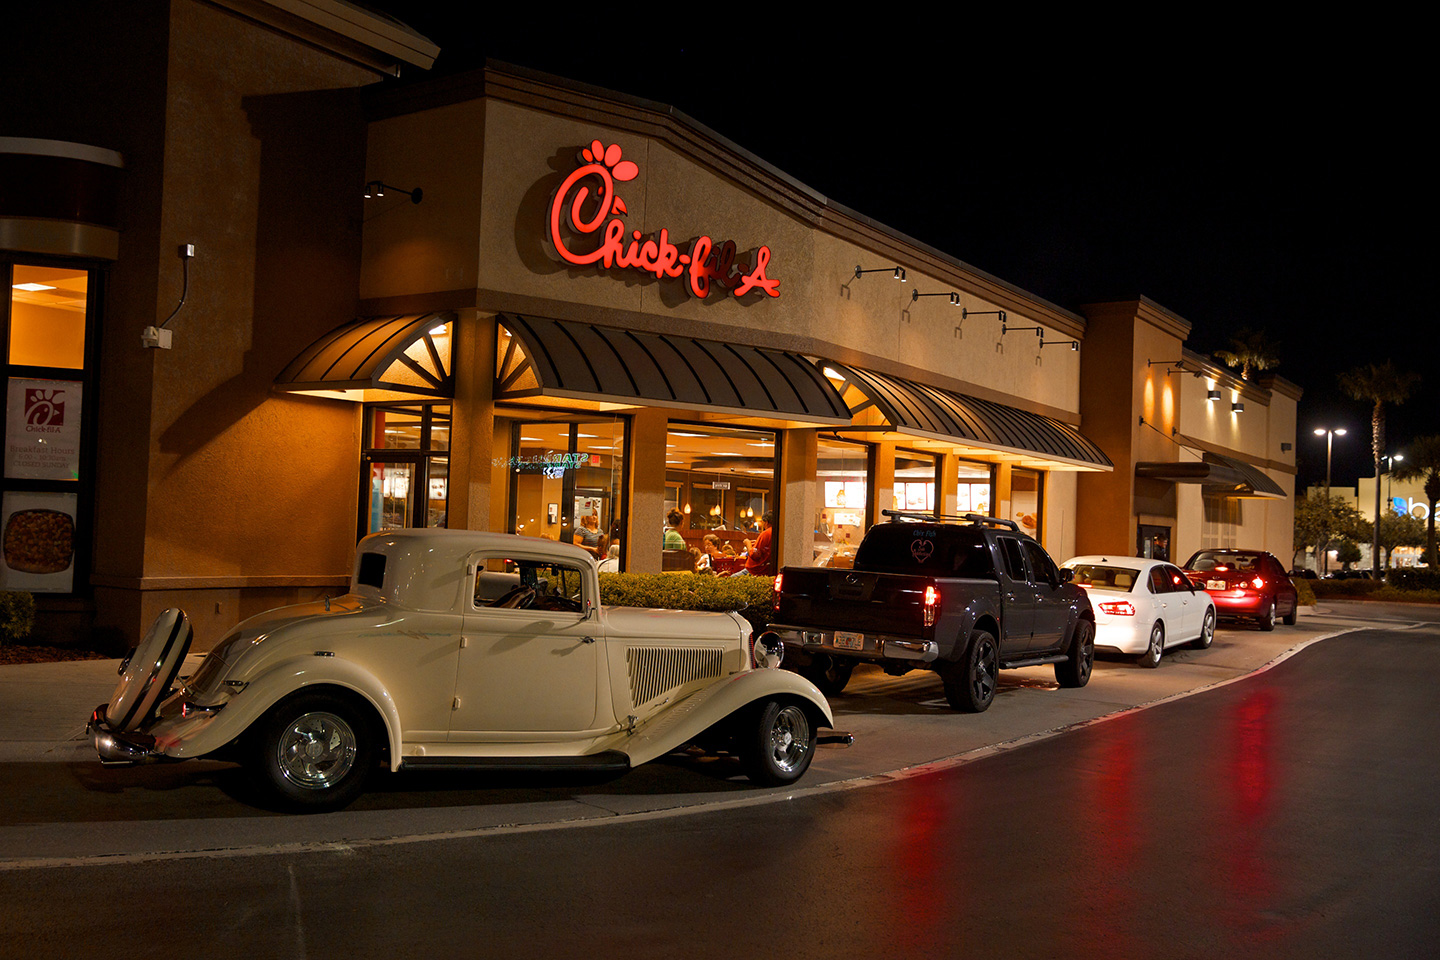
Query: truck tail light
[932, 605]
[779, 580]
[1118, 608]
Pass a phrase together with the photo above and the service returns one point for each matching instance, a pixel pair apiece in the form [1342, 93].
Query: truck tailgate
[852, 600]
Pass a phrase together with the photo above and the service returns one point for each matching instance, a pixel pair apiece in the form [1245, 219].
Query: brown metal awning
[540, 357]
[933, 413]
[377, 358]
[1221, 476]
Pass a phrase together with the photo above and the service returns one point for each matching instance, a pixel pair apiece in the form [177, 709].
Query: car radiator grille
[657, 670]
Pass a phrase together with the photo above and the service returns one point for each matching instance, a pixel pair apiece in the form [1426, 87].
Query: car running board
[610, 761]
[1033, 662]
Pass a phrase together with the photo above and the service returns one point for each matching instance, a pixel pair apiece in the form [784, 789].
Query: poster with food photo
[38, 535]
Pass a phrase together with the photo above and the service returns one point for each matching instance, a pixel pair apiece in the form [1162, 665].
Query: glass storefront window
[915, 475]
[568, 482]
[47, 317]
[48, 493]
[975, 489]
[842, 479]
[407, 467]
[1027, 500]
[722, 481]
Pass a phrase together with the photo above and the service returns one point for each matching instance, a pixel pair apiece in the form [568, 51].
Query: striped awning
[540, 357]
[1221, 476]
[377, 358]
[937, 414]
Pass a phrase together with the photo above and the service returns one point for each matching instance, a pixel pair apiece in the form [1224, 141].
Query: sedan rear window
[1105, 577]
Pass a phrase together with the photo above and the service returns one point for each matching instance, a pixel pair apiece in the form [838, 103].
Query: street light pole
[1330, 436]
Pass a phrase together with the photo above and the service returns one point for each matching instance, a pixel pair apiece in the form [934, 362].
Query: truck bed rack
[962, 518]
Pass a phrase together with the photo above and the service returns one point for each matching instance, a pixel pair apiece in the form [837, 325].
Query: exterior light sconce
[377, 189]
[1286, 447]
[1237, 407]
[967, 314]
[1005, 328]
[1176, 366]
[954, 297]
[1212, 394]
[899, 272]
[1073, 344]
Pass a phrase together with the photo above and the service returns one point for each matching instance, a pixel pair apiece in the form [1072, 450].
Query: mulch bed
[44, 653]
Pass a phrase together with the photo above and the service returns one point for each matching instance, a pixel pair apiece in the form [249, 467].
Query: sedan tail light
[1118, 608]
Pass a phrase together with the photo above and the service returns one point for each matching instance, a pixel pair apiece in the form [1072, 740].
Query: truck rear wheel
[829, 674]
[970, 683]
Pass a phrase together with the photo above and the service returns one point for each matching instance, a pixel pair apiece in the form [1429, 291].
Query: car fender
[182, 737]
[697, 713]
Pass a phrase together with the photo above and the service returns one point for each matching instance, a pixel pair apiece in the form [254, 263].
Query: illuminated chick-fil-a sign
[705, 262]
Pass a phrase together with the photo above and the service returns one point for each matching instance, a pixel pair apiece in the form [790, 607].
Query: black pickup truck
[964, 598]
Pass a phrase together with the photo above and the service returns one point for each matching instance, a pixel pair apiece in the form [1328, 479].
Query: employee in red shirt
[757, 562]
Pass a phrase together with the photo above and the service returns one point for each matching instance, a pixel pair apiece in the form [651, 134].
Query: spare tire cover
[150, 671]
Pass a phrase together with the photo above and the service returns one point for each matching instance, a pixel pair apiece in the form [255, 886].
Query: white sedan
[1144, 606]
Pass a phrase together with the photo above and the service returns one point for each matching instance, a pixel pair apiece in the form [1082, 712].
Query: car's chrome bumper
[116, 747]
[874, 645]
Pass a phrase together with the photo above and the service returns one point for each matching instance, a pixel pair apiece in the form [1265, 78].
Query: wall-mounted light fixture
[966, 314]
[1006, 328]
[1237, 407]
[899, 272]
[954, 297]
[1074, 344]
[1212, 394]
[377, 189]
[1176, 366]
[1286, 447]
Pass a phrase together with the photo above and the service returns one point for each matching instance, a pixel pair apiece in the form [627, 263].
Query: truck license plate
[849, 641]
[1215, 584]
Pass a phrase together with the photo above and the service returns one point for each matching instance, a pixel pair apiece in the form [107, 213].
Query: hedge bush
[751, 597]
[1344, 589]
[1410, 578]
[17, 614]
[1307, 595]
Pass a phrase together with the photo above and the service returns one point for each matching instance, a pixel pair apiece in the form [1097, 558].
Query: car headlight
[766, 651]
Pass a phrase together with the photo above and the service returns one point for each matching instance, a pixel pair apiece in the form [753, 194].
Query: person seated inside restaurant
[758, 557]
[674, 540]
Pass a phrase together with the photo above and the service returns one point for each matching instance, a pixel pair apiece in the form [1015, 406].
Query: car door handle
[587, 639]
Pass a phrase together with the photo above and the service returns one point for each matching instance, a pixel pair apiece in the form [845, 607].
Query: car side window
[1160, 581]
[529, 585]
[1178, 581]
[1042, 568]
[1014, 558]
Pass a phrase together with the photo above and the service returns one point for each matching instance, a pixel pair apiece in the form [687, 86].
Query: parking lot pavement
[901, 726]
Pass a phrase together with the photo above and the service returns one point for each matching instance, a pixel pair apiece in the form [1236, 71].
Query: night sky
[1238, 178]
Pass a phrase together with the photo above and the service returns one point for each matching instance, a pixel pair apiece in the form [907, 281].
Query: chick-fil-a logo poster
[623, 247]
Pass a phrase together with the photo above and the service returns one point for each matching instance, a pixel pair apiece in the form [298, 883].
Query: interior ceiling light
[32, 287]
[898, 274]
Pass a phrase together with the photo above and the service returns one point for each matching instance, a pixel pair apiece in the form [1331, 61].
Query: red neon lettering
[655, 255]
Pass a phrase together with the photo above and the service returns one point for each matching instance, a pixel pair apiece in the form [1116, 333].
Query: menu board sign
[42, 430]
[39, 541]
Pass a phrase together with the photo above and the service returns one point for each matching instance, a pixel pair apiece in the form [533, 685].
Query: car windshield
[1213, 559]
[1103, 577]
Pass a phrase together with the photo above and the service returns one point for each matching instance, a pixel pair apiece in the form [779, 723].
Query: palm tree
[1250, 350]
[1423, 460]
[1380, 384]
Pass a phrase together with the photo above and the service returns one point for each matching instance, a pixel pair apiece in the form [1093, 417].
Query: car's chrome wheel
[1156, 649]
[1207, 631]
[777, 742]
[316, 751]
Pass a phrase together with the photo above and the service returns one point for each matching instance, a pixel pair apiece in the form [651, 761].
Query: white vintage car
[460, 649]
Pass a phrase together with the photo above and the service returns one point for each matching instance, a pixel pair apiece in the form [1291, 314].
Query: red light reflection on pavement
[1251, 777]
[1111, 820]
